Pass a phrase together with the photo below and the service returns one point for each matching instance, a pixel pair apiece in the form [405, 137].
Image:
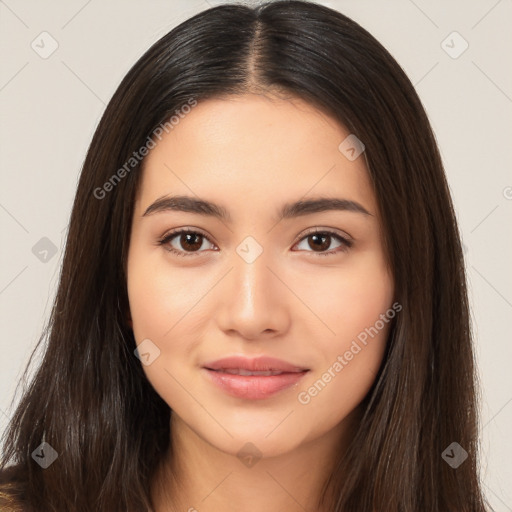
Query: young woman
[263, 290]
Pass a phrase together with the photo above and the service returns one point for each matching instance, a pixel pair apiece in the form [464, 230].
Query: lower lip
[254, 387]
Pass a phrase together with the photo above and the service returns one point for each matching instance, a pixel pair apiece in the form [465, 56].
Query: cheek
[155, 309]
[358, 312]
[349, 299]
[337, 388]
[336, 391]
[149, 302]
[166, 308]
[161, 301]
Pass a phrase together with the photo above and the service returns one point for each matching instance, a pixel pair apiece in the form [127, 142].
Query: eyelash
[346, 243]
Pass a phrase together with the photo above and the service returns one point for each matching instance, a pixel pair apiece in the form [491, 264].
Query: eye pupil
[186, 240]
[322, 238]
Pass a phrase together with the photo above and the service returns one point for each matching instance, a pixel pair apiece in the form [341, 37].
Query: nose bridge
[253, 301]
[251, 274]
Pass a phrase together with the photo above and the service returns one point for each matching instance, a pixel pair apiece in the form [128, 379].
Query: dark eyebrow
[321, 204]
[289, 210]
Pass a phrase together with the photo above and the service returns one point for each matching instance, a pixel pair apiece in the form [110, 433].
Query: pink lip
[254, 387]
[262, 363]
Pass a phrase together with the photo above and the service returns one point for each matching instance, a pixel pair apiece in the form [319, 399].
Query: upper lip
[262, 363]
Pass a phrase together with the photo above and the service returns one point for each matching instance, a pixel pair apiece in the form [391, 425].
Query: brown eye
[184, 242]
[191, 241]
[320, 241]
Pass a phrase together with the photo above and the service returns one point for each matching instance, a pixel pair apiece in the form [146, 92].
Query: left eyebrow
[322, 204]
[289, 210]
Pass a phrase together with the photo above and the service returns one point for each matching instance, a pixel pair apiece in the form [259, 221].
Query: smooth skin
[251, 154]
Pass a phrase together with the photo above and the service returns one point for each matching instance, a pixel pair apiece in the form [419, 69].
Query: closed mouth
[262, 366]
[248, 373]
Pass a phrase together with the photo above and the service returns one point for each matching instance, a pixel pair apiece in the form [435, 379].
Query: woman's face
[256, 281]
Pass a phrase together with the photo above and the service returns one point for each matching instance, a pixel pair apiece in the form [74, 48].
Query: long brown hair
[89, 398]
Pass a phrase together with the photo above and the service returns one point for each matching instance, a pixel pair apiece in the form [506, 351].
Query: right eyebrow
[187, 204]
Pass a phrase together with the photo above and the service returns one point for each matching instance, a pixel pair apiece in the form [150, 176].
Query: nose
[253, 300]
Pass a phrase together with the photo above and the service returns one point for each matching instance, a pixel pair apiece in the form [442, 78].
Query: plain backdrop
[51, 103]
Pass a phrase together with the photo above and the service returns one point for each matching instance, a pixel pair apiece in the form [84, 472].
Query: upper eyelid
[179, 231]
[331, 231]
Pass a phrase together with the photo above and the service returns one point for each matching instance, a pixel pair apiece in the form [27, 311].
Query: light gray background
[51, 106]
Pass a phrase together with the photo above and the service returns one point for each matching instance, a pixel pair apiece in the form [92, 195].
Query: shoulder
[10, 491]
[9, 502]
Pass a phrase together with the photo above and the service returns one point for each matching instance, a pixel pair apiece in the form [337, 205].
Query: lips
[241, 371]
[258, 364]
[253, 379]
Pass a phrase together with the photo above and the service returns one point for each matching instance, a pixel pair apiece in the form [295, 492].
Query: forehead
[252, 146]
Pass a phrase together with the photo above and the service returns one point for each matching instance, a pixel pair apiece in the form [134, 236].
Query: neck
[196, 476]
